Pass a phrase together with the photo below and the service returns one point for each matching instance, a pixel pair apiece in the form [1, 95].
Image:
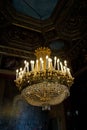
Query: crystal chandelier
[44, 82]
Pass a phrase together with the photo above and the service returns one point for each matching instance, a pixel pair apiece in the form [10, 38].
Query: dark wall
[76, 106]
[23, 116]
[17, 114]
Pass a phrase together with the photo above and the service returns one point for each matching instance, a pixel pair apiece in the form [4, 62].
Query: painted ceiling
[39, 9]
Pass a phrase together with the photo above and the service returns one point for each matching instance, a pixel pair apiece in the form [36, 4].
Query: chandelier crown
[42, 51]
[47, 82]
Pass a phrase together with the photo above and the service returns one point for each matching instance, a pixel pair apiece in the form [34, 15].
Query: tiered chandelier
[44, 82]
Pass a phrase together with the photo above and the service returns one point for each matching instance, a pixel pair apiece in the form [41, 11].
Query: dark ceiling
[41, 9]
[64, 30]
[59, 25]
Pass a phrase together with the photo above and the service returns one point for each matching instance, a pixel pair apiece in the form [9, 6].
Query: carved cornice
[77, 54]
[19, 19]
[61, 10]
[72, 23]
[15, 52]
[21, 38]
[79, 45]
[34, 24]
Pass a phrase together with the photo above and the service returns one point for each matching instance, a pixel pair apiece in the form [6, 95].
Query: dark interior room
[46, 94]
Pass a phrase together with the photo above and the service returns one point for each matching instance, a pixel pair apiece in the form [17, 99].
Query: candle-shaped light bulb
[55, 58]
[69, 74]
[47, 57]
[40, 59]
[61, 65]
[51, 63]
[32, 65]
[64, 68]
[20, 73]
[58, 63]
[47, 62]
[36, 65]
[65, 63]
[17, 74]
[27, 66]
[17, 70]
[25, 62]
[41, 64]
[20, 69]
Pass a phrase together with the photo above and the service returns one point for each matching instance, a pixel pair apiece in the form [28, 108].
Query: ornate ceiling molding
[15, 52]
[72, 23]
[19, 19]
[34, 24]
